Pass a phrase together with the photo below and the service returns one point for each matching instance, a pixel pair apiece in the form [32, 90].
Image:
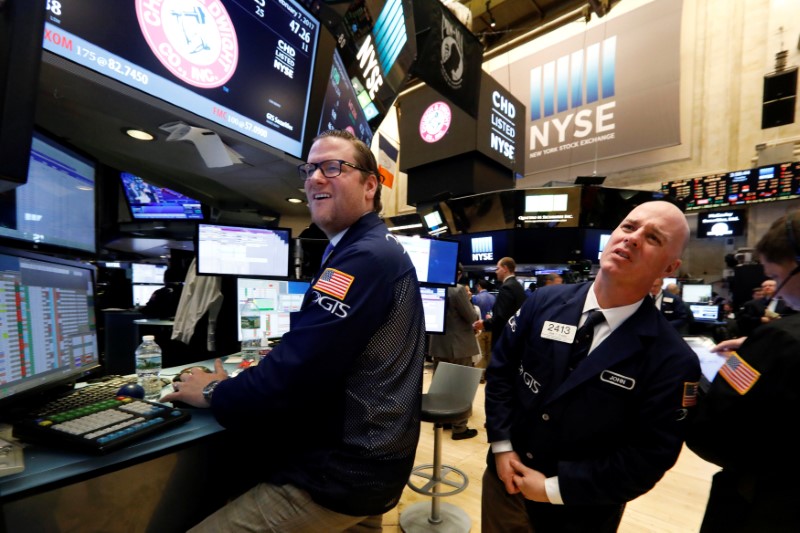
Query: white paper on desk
[710, 362]
[234, 359]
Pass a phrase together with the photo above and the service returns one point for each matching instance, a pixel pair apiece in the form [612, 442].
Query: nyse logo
[574, 81]
[482, 249]
[375, 59]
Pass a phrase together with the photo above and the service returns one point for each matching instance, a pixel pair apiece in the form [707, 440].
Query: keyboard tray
[97, 425]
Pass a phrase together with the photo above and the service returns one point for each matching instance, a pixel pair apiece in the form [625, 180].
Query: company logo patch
[334, 282]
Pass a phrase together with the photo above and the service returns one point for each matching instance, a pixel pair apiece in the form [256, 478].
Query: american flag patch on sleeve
[334, 282]
[738, 373]
[689, 394]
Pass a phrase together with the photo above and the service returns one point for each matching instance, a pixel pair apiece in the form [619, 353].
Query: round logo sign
[193, 39]
[435, 122]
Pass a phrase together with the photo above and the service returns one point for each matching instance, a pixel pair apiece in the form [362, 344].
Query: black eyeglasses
[329, 169]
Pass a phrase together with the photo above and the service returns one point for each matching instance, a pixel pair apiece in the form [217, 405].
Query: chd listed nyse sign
[503, 134]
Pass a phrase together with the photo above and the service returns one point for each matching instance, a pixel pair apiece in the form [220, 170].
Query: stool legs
[439, 516]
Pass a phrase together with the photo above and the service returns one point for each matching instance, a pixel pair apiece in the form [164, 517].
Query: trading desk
[164, 483]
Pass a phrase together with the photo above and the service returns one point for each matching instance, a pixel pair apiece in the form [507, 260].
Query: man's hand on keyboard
[189, 389]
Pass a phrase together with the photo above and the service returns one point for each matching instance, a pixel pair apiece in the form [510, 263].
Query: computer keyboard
[94, 419]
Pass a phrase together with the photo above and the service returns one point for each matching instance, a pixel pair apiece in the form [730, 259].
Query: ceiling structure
[91, 112]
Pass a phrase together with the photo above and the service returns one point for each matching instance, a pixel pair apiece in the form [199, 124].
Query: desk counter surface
[49, 467]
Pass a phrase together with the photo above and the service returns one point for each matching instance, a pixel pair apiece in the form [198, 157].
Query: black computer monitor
[55, 210]
[49, 324]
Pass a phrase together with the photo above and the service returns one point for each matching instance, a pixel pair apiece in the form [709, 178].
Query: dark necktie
[328, 250]
[583, 338]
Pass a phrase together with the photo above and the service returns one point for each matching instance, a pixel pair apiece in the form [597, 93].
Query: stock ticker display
[762, 184]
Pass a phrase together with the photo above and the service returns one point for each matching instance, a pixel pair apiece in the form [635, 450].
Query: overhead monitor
[436, 260]
[48, 322]
[434, 306]
[150, 202]
[375, 40]
[347, 105]
[729, 223]
[242, 251]
[276, 301]
[243, 64]
[548, 207]
[55, 208]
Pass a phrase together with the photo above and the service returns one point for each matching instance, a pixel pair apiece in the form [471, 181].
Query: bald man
[574, 437]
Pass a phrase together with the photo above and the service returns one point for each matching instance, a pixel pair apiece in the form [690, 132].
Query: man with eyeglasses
[343, 388]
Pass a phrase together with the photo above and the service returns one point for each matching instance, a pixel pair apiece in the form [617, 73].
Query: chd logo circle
[194, 40]
[435, 122]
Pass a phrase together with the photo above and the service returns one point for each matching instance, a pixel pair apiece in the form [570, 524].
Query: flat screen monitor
[276, 301]
[436, 260]
[142, 293]
[242, 251]
[696, 293]
[150, 202]
[148, 273]
[548, 207]
[243, 64]
[55, 209]
[705, 313]
[729, 223]
[434, 305]
[345, 107]
[48, 323]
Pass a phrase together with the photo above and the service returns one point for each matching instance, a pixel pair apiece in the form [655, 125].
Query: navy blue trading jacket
[344, 385]
[612, 427]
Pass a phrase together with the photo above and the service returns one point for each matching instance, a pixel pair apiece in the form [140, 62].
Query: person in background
[573, 438]
[485, 301]
[458, 345]
[163, 303]
[671, 305]
[509, 299]
[673, 288]
[743, 419]
[553, 279]
[344, 386]
[762, 310]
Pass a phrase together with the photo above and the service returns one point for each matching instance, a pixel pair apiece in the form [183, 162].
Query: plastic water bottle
[148, 367]
[250, 326]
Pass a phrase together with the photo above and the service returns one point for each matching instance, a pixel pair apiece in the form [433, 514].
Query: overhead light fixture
[293, 200]
[492, 22]
[139, 135]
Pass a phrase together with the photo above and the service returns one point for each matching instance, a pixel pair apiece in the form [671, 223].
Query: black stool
[448, 400]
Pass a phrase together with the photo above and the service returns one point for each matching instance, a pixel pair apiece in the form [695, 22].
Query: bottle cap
[148, 337]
